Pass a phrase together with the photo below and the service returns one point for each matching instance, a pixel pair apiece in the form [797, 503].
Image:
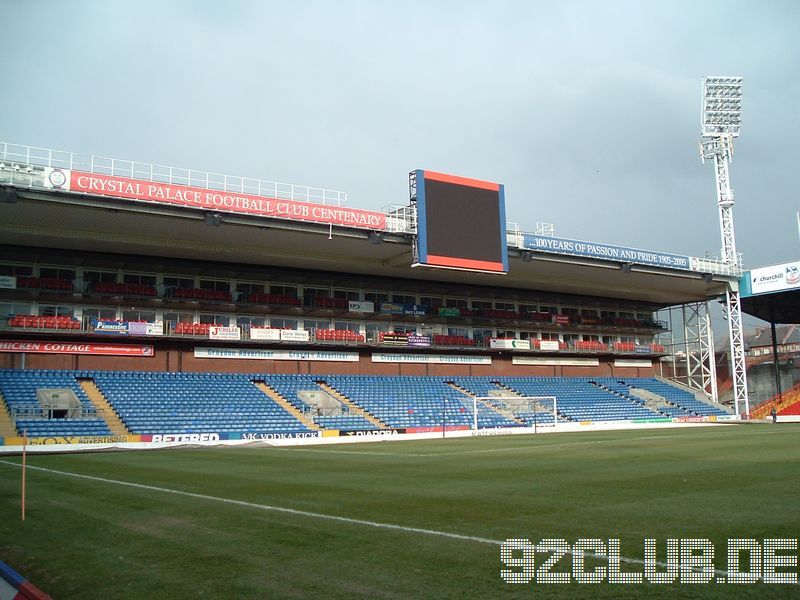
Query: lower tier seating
[175, 403]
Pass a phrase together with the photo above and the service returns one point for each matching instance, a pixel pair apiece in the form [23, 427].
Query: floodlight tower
[722, 119]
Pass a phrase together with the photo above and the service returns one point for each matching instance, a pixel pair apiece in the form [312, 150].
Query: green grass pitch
[87, 538]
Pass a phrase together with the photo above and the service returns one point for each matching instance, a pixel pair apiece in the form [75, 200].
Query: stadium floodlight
[721, 122]
[722, 106]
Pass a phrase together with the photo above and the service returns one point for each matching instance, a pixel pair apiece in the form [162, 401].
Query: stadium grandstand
[141, 302]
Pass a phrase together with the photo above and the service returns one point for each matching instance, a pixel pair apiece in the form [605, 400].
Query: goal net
[528, 411]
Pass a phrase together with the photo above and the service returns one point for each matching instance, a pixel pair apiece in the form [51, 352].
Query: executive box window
[248, 322]
[99, 277]
[103, 314]
[16, 270]
[406, 299]
[378, 298]
[215, 284]
[279, 323]
[56, 273]
[222, 320]
[133, 314]
[346, 294]
[140, 279]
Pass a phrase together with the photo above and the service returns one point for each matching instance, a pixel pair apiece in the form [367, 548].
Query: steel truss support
[699, 342]
[738, 359]
[720, 149]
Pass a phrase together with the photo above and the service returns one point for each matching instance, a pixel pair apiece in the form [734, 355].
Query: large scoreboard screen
[461, 222]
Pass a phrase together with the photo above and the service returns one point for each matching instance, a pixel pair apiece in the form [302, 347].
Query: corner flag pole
[24, 467]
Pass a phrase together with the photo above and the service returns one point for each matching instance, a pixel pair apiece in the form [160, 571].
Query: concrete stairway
[355, 409]
[287, 406]
[7, 428]
[505, 413]
[104, 409]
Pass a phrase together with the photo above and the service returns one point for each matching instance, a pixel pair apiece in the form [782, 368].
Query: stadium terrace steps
[790, 402]
[701, 397]
[782, 404]
[682, 401]
[508, 389]
[502, 412]
[286, 405]
[7, 428]
[355, 409]
[104, 409]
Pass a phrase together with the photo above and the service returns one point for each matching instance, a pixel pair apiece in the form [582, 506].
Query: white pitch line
[266, 507]
[314, 515]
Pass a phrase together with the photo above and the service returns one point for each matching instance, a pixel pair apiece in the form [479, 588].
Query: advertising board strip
[776, 278]
[217, 332]
[74, 439]
[621, 362]
[569, 247]
[361, 306]
[555, 362]
[508, 344]
[127, 327]
[261, 354]
[265, 333]
[414, 310]
[220, 201]
[440, 359]
[34, 347]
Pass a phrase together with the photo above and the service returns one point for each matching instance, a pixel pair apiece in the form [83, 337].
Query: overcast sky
[588, 111]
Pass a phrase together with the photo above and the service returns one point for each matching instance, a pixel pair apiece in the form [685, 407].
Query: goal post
[530, 411]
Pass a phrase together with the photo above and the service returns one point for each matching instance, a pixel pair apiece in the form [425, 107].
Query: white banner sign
[295, 335]
[505, 344]
[555, 362]
[261, 354]
[632, 363]
[362, 307]
[438, 359]
[548, 345]
[8, 282]
[139, 328]
[265, 333]
[216, 332]
[773, 279]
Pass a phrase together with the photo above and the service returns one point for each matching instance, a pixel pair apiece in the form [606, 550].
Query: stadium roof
[78, 222]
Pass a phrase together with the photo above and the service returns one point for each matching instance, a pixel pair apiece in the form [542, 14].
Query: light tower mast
[722, 119]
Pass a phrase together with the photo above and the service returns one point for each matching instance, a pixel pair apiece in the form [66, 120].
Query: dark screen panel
[462, 221]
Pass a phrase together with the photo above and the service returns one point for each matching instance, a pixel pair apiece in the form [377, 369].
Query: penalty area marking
[309, 514]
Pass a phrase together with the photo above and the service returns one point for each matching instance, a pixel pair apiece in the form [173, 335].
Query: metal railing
[101, 165]
[22, 165]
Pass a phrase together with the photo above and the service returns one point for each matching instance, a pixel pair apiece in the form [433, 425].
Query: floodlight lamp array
[722, 105]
